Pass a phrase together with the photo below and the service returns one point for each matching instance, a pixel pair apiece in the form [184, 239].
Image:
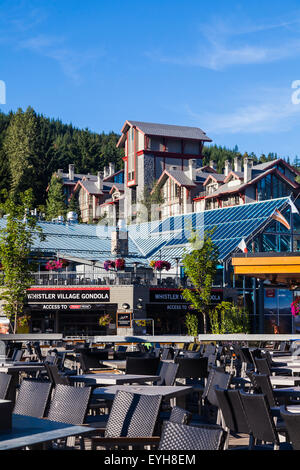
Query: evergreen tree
[55, 204]
[73, 206]
[16, 241]
[23, 152]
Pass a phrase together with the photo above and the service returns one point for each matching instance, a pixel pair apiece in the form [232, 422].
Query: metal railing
[109, 278]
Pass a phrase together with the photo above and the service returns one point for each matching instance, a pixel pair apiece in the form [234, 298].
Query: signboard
[64, 307]
[61, 296]
[174, 296]
[124, 320]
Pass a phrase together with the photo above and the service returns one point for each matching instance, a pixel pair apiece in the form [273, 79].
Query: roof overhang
[278, 268]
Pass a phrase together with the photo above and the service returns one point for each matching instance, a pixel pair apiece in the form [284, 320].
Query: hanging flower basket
[295, 307]
[152, 264]
[108, 264]
[160, 265]
[120, 263]
[53, 265]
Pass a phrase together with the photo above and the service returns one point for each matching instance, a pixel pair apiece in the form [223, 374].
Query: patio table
[28, 431]
[113, 379]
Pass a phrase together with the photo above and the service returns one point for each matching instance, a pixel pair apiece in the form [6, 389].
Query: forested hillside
[32, 147]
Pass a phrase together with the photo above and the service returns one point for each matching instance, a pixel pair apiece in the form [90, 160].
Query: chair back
[292, 422]
[222, 379]
[177, 436]
[142, 366]
[259, 419]
[226, 410]
[179, 415]
[133, 415]
[262, 366]
[192, 368]
[263, 385]
[167, 373]
[54, 376]
[32, 398]
[5, 382]
[69, 404]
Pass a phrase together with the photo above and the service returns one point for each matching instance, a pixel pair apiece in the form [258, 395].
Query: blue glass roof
[168, 239]
[165, 239]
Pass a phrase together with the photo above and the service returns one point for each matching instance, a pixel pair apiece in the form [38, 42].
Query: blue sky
[227, 67]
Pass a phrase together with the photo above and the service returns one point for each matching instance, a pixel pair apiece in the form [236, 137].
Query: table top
[114, 363]
[21, 366]
[27, 431]
[114, 379]
[165, 391]
[284, 380]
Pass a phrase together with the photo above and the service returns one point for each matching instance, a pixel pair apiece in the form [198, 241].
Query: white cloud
[276, 114]
[223, 44]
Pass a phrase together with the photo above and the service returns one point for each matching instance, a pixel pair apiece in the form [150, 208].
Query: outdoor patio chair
[132, 421]
[32, 398]
[177, 436]
[292, 423]
[233, 417]
[261, 422]
[5, 384]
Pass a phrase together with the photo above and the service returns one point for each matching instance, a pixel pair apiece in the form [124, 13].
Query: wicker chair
[177, 436]
[261, 422]
[32, 398]
[69, 404]
[132, 421]
[292, 422]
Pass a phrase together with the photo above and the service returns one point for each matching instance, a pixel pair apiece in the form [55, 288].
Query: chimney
[227, 167]
[100, 180]
[59, 173]
[71, 172]
[248, 165]
[237, 164]
[212, 164]
[192, 169]
[111, 168]
[105, 172]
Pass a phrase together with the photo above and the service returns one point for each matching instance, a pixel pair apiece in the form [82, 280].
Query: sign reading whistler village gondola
[171, 296]
[46, 296]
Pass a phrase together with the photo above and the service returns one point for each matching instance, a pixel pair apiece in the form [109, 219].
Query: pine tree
[23, 152]
[73, 206]
[55, 205]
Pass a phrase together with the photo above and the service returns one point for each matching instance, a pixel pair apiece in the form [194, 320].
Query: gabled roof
[178, 176]
[217, 177]
[164, 130]
[227, 189]
[235, 174]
